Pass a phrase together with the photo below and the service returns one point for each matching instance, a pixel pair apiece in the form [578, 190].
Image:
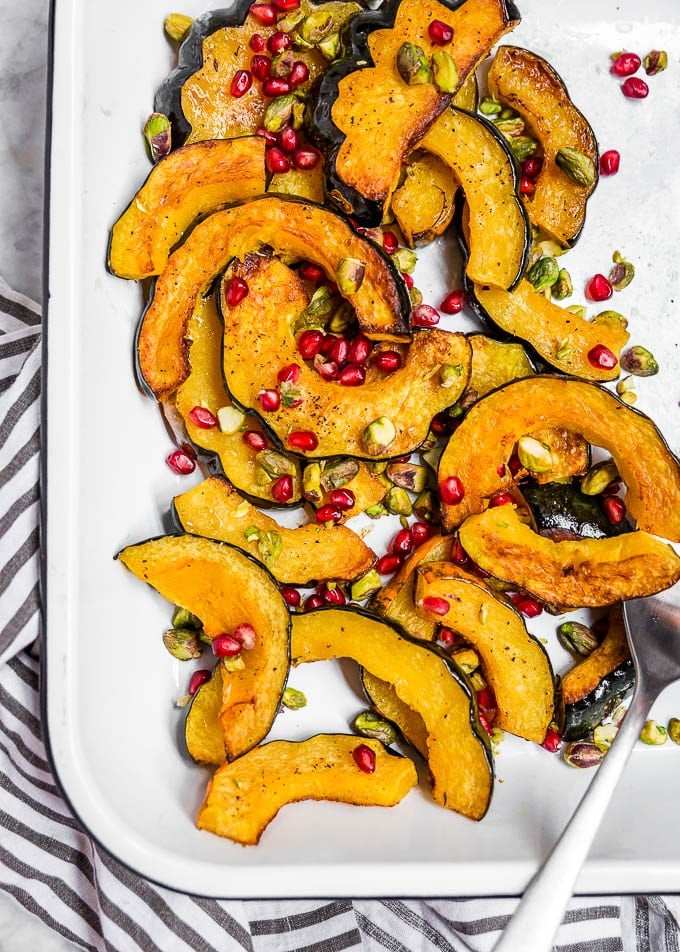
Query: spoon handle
[539, 913]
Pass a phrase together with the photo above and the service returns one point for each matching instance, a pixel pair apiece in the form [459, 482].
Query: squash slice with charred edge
[514, 663]
[484, 442]
[243, 797]
[296, 228]
[225, 587]
[204, 387]
[480, 158]
[310, 553]
[387, 703]
[424, 203]
[203, 734]
[424, 679]
[594, 686]
[529, 84]
[185, 185]
[559, 337]
[568, 574]
[367, 119]
[259, 337]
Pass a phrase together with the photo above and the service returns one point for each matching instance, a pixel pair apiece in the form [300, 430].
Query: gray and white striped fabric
[50, 866]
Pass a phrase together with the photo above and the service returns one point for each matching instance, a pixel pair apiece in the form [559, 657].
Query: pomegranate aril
[446, 637]
[514, 464]
[526, 605]
[309, 343]
[424, 316]
[306, 158]
[245, 633]
[276, 160]
[552, 740]
[364, 758]
[602, 357]
[289, 139]
[408, 280]
[241, 83]
[625, 64]
[285, 6]
[458, 554]
[279, 41]
[260, 67]
[532, 166]
[500, 470]
[255, 440]
[440, 33]
[486, 700]
[609, 162]
[315, 274]
[420, 532]
[352, 375]
[388, 564]
[226, 646]
[614, 509]
[453, 302]
[501, 499]
[342, 498]
[402, 543]
[313, 601]
[202, 417]
[265, 134]
[299, 74]
[360, 350]
[332, 595]
[180, 462]
[328, 513]
[327, 369]
[451, 490]
[257, 43]
[270, 400]
[289, 374]
[275, 86]
[390, 242]
[485, 721]
[599, 288]
[327, 344]
[282, 489]
[387, 360]
[235, 290]
[291, 596]
[527, 186]
[264, 13]
[198, 679]
[634, 88]
[436, 605]
[303, 440]
[338, 350]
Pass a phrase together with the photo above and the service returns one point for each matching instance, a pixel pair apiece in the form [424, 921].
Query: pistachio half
[653, 733]
[622, 273]
[639, 361]
[349, 275]
[176, 26]
[379, 436]
[409, 476]
[182, 618]
[445, 72]
[398, 502]
[157, 135]
[579, 167]
[599, 477]
[370, 724]
[577, 638]
[293, 699]
[543, 273]
[183, 644]
[655, 62]
[367, 585]
[523, 147]
[563, 287]
[412, 64]
[583, 754]
[534, 455]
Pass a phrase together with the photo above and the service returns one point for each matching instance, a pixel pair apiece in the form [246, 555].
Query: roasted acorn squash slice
[423, 205]
[296, 228]
[244, 797]
[204, 387]
[388, 704]
[560, 338]
[424, 679]
[185, 185]
[499, 234]
[225, 587]
[568, 574]
[310, 553]
[514, 663]
[479, 450]
[203, 734]
[367, 119]
[259, 338]
[529, 84]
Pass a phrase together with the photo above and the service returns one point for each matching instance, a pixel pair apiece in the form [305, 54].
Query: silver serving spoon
[653, 629]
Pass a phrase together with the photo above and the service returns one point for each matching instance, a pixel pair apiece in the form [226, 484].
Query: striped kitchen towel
[50, 866]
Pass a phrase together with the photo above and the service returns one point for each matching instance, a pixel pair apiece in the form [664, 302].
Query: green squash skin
[320, 127]
[563, 508]
[580, 718]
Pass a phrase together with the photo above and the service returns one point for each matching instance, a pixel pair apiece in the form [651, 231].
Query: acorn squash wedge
[386, 702]
[259, 338]
[302, 556]
[296, 228]
[479, 450]
[560, 338]
[515, 664]
[244, 797]
[203, 734]
[204, 387]
[367, 119]
[568, 574]
[225, 587]
[597, 684]
[527, 83]
[426, 680]
[185, 185]
[423, 205]
[499, 238]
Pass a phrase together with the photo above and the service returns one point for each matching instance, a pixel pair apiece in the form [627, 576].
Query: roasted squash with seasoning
[568, 574]
[424, 679]
[310, 553]
[245, 796]
[225, 587]
[424, 203]
[482, 445]
[295, 228]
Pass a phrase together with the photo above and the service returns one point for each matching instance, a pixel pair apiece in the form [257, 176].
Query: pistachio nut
[176, 26]
[490, 107]
[405, 260]
[534, 455]
[377, 468]
[398, 502]
[230, 665]
[157, 134]
[622, 273]
[367, 585]
[449, 375]
[426, 507]
[603, 736]
[182, 618]
[599, 477]
[416, 296]
[292, 20]
[337, 474]
[293, 699]
[412, 64]
[611, 319]
[563, 287]
[656, 61]
[321, 306]
[579, 309]
[262, 477]
[409, 476]
[330, 47]
[445, 72]
[269, 546]
[523, 147]
[311, 482]
[183, 644]
[510, 128]
[379, 436]
[625, 388]
[230, 419]
[282, 64]
[639, 361]
[275, 464]
[579, 167]
[476, 680]
[376, 511]
[543, 273]
[564, 349]
[370, 724]
[577, 638]
[251, 534]
[508, 113]
[674, 729]
[583, 754]
[653, 733]
[548, 248]
[278, 112]
[341, 318]
[349, 275]
[316, 26]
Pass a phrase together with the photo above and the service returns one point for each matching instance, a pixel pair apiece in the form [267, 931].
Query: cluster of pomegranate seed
[227, 645]
[599, 288]
[527, 605]
[405, 541]
[530, 170]
[626, 64]
[338, 358]
[328, 593]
